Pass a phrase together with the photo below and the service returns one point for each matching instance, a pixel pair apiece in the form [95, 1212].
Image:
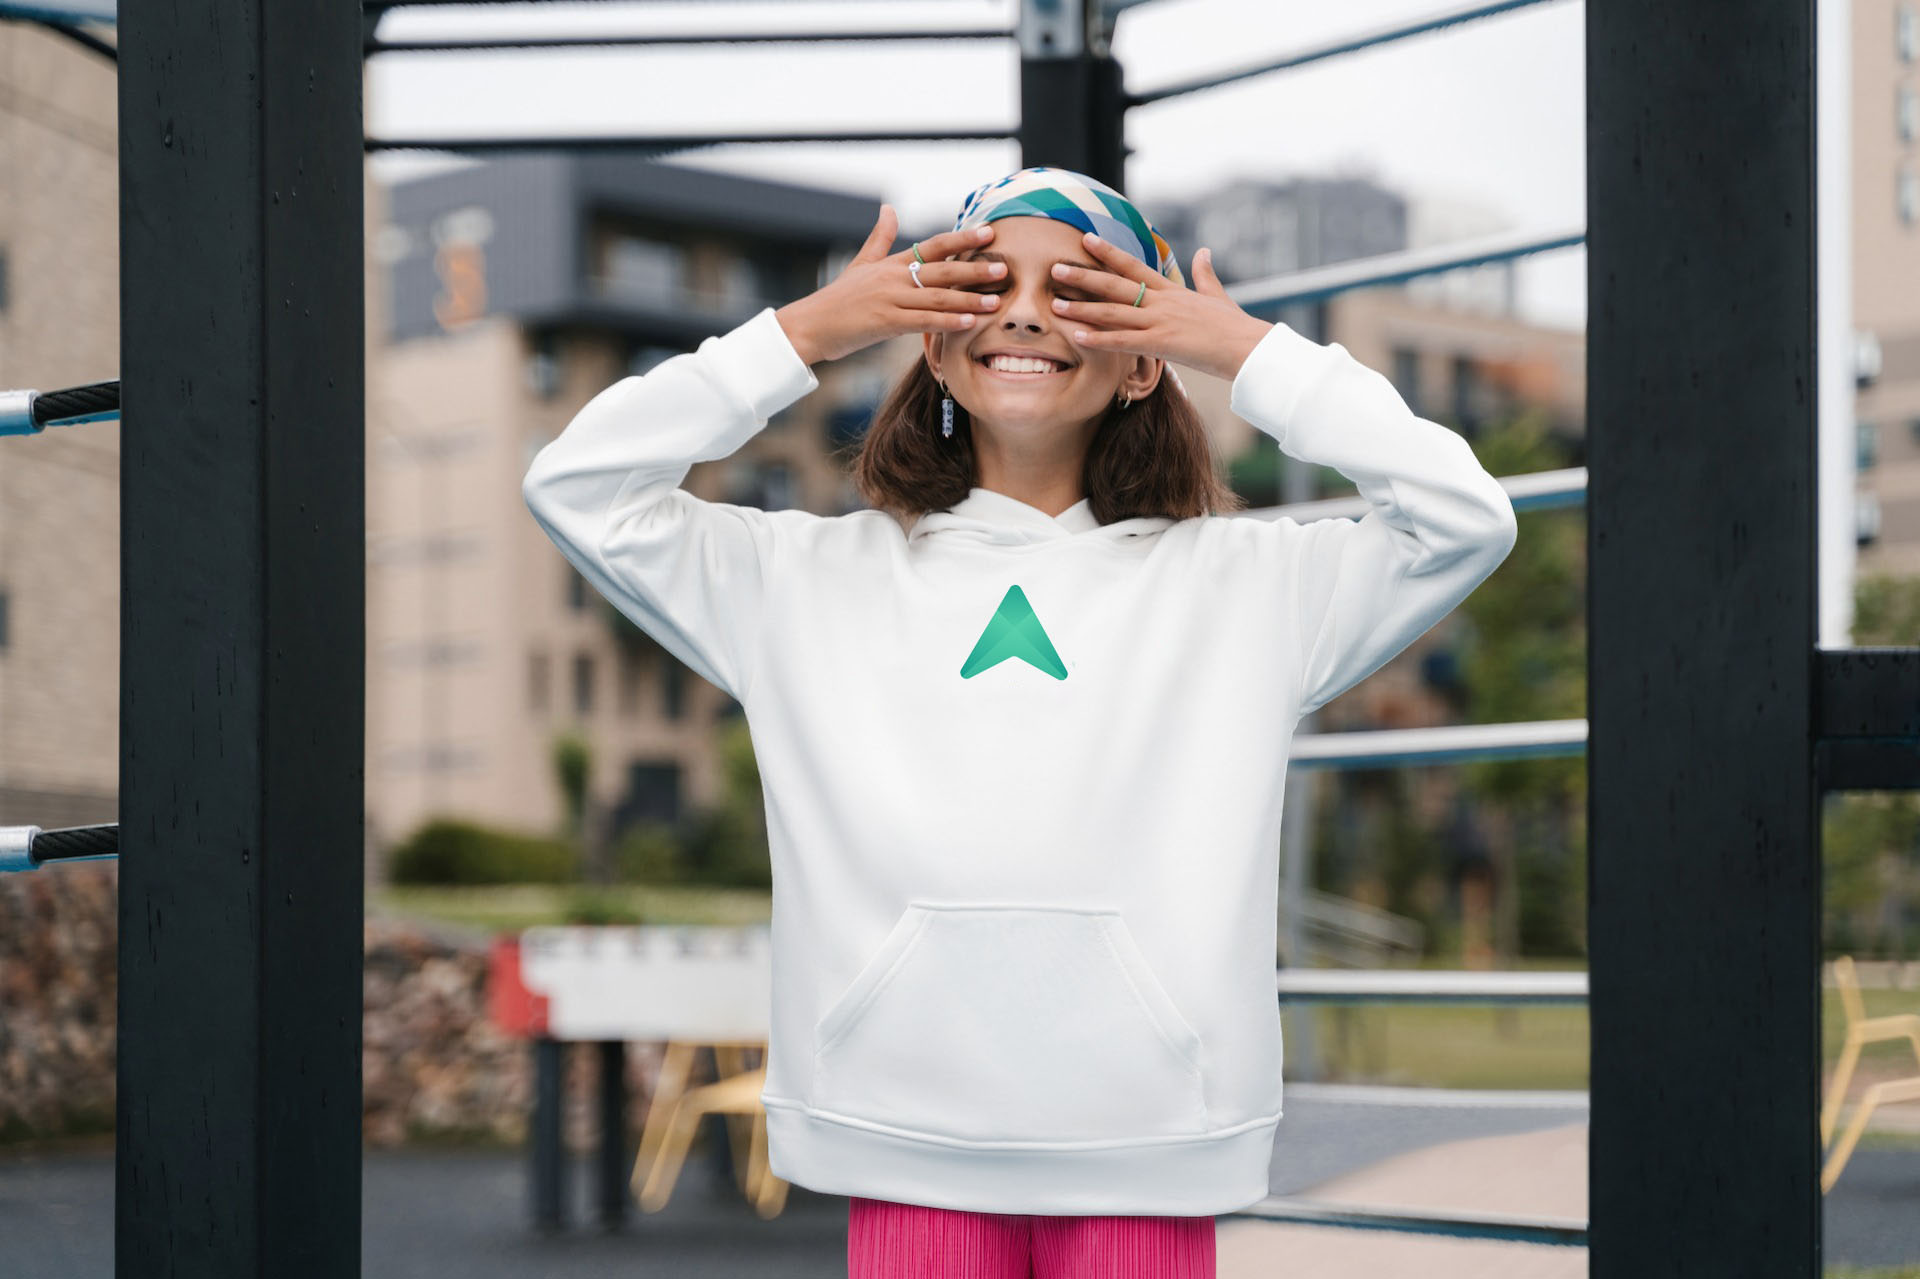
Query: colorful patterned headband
[1044, 191]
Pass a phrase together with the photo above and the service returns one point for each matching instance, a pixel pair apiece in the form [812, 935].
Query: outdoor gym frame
[1715, 720]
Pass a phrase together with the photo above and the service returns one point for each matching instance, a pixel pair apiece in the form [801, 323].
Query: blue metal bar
[1428, 986]
[1563, 1231]
[663, 143]
[1445, 744]
[1398, 267]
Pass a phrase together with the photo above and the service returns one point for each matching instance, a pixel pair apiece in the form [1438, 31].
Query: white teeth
[1013, 364]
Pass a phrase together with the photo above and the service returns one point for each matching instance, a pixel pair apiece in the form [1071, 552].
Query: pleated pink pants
[887, 1240]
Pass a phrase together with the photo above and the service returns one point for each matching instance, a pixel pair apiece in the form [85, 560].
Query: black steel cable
[77, 841]
[78, 401]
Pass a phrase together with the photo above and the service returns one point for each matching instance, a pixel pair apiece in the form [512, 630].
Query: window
[3, 621]
[1466, 395]
[543, 367]
[673, 688]
[845, 423]
[767, 485]
[538, 673]
[582, 684]
[576, 590]
[1907, 195]
[1906, 113]
[630, 668]
[644, 357]
[1866, 519]
[1906, 31]
[653, 794]
[1406, 376]
[1866, 446]
[639, 267]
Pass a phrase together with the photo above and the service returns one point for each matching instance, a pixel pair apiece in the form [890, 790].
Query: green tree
[728, 842]
[572, 767]
[1525, 659]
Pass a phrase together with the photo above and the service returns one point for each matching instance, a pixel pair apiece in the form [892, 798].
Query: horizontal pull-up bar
[1346, 44]
[1428, 986]
[28, 412]
[1398, 267]
[778, 37]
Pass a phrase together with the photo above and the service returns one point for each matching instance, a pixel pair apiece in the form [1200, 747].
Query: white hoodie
[1022, 773]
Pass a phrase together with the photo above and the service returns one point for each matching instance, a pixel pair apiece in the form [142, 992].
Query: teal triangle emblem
[1014, 631]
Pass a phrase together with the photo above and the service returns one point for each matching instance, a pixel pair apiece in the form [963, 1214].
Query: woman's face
[1085, 383]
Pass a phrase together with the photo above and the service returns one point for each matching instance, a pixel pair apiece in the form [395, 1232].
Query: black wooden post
[1072, 112]
[242, 633]
[1704, 884]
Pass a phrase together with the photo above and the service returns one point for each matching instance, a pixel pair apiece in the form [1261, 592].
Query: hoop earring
[1126, 401]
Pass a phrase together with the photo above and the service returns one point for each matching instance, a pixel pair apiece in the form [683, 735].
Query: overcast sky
[1488, 113]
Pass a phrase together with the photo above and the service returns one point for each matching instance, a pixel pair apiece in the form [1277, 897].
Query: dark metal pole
[1072, 102]
[1704, 883]
[615, 1167]
[242, 635]
[547, 1136]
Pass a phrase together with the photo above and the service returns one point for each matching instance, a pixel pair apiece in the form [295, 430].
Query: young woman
[1022, 727]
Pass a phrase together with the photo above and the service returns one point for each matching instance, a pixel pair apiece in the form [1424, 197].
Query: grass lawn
[497, 908]
[1531, 1046]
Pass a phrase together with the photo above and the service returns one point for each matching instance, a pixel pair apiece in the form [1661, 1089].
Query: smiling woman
[1035, 410]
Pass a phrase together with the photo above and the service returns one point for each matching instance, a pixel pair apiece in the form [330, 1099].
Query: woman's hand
[875, 297]
[1200, 327]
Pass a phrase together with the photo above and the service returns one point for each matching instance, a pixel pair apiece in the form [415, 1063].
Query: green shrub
[649, 852]
[450, 851]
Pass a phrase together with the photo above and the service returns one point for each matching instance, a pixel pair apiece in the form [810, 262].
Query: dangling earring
[946, 412]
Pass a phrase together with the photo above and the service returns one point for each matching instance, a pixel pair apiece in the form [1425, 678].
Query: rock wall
[434, 1068]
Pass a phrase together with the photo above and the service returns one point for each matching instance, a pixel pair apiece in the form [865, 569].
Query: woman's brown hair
[1152, 458]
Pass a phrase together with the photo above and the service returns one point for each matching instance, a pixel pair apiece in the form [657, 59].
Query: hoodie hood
[986, 515]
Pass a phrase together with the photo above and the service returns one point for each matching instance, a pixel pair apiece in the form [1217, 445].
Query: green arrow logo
[1014, 632]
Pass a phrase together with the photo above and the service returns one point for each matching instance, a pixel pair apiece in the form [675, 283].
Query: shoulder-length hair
[1152, 458]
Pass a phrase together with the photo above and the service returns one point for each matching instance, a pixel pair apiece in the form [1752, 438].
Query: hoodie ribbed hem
[1194, 1176]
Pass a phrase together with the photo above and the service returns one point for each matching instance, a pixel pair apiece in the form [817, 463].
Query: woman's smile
[1028, 375]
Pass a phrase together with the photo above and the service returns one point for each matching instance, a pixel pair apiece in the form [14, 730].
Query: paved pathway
[465, 1215]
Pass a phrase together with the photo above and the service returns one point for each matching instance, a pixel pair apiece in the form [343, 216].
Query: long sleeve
[689, 572]
[1438, 527]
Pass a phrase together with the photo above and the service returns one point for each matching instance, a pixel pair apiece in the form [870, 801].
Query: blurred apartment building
[1886, 283]
[510, 294]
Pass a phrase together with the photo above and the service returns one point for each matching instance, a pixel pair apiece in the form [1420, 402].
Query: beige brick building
[1886, 280]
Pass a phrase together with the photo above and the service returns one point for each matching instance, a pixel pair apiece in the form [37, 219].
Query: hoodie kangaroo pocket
[1017, 1023]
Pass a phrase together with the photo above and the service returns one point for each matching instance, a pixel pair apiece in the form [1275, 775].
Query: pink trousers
[887, 1240]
